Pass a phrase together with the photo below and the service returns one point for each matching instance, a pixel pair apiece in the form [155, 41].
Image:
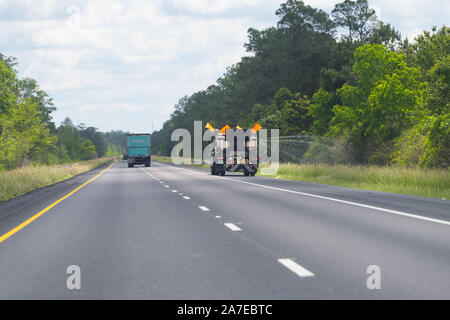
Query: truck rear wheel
[130, 165]
[217, 170]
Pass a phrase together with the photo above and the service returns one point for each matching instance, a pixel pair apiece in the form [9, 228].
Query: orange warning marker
[256, 128]
[209, 127]
[224, 129]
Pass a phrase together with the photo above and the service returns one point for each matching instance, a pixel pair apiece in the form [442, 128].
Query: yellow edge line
[40, 213]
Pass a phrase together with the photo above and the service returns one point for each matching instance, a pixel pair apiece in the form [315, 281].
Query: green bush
[87, 151]
[409, 147]
[437, 143]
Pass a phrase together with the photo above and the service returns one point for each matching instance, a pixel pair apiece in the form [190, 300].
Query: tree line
[28, 134]
[364, 95]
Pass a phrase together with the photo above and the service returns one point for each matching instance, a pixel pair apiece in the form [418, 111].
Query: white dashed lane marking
[288, 263]
[296, 268]
[232, 227]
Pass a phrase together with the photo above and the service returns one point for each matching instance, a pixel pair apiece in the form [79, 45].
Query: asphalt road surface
[167, 232]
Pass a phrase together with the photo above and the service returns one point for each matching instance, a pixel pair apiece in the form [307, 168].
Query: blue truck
[139, 149]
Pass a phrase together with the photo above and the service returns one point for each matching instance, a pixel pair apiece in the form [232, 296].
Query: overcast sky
[123, 64]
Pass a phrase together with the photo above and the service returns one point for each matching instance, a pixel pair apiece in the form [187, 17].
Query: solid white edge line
[296, 268]
[399, 213]
[232, 227]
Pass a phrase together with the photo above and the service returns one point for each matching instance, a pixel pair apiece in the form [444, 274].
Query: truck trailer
[138, 149]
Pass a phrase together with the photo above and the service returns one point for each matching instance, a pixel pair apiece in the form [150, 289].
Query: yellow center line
[40, 213]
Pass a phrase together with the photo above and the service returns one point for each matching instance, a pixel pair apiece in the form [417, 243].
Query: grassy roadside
[16, 182]
[433, 183]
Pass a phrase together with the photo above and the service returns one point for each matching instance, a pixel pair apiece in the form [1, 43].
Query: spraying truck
[232, 157]
[138, 149]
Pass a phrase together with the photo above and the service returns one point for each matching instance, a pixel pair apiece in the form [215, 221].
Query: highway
[170, 232]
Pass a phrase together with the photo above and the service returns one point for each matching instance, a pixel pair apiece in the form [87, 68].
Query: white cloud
[108, 107]
[211, 6]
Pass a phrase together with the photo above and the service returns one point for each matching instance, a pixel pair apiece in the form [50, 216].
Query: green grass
[161, 158]
[433, 183]
[16, 182]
